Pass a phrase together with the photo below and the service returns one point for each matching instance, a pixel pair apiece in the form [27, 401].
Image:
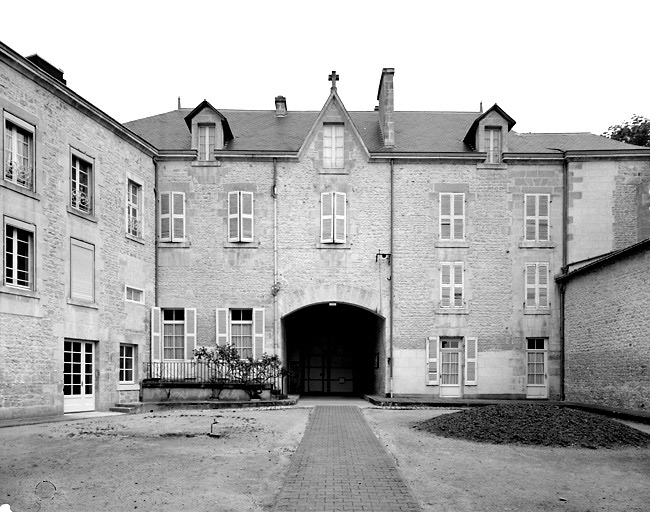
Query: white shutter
[222, 326]
[458, 285]
[156, 337]
[459, 217]
[327, 217]
[543, 218]
[445, 216]
[246, 214]
[445, 285]
[471, 361]
[340, 210]
[432, 371]
[531, 278]
[82, 270]
[258, 332]
[190, 333]
[542, 285]
[530, 205]
[178, 216]
[165, 217]
[233, 216]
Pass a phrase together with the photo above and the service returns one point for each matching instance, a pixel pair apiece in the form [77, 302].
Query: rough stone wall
[34, 324]
[607, 325]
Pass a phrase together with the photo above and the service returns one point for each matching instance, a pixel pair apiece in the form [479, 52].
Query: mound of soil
[532, 424]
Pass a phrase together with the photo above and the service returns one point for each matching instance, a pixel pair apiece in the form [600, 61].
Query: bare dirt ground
[167, 462]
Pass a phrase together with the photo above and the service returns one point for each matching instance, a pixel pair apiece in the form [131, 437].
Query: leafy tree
[635, 131]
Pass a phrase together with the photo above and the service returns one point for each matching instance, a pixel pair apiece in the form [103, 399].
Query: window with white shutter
[240, 216]
[536, 277]
[134, 210]
[471, 361]
[172, 216]
[82, 270]
[206, 141]
[333, 217]
[537, 217]
[333, 146]
[452, 216]
[451, 285]
[431, 361]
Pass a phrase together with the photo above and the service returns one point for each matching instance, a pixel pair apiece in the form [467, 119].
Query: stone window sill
[175, 245]
[21, 190]
[241, 245]
[82, 215]
[452, 311]
[136, 239]
[29, 294]
[537, 311]
[338, 247]
[82, 304]
[128, 387]
[524, 244]
[451, 244]
[500, 166]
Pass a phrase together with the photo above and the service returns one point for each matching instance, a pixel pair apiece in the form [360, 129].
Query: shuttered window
[172, 216]
[240, 216]
[19, 151]
[333, 217]
[134, 209]
[243, 329]
[452, 216]
[536, 277]
[451, 285]
[175, 330]
[82, 270]
[333, 136]
[537, 217]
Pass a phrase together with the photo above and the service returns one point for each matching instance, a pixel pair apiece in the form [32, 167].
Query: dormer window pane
[206, 141]
[493, 145]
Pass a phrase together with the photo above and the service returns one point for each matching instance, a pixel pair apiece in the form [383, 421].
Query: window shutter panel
[543, 218]
[445, 216]
[445, 285]
[156, 337]
[222, 326]
[258, 332]
[178, 216]
[339, 217]
[165, 217]
[233, 216]
[82, 271]
[530, 206]
[471, 360]
[326, 217]
[542, 281]
[458, 285]
[432, 361]
[459, 216]
[190, 333]
[246, 213]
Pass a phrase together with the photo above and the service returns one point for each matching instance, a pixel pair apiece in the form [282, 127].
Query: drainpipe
[565, 252]
[392, 266]
[155, 233]
[275, 288]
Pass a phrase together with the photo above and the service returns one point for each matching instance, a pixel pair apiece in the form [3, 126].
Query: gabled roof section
[227, 132]
[471, 134]
[331, 100]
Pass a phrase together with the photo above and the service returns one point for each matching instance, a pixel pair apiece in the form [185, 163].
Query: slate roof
[415, 132]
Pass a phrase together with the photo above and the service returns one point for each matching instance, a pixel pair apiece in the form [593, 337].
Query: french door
[450, 367]
[537, 376]
[78, 376]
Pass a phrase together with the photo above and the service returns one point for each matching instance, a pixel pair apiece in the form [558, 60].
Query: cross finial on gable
[333, 78]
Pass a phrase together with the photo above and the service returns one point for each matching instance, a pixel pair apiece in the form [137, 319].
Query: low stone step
[125, 408]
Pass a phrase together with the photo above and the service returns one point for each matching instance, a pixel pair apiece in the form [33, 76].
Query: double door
[78, 376]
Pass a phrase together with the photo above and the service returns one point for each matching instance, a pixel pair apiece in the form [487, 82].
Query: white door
[450, 367]
[537, 377]
[78, 376]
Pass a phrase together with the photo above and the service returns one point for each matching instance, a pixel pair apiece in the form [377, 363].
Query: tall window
[82, 270]
[19, 255]
[127, 364]
[493, 145]
[451, 285]
[19, 151]
[333, 135]
[134, 209]
[537, 286]
[537, 217]
[241, 331]
[173, 333]
[81, 185]
[240, 216]
[333, 217]
[535, 361]
[452, 216]
[206, 141]
[172, 216]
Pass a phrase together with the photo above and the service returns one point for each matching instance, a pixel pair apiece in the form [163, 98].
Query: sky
[553, 66]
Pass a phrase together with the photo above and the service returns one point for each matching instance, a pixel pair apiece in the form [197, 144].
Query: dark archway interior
[334, 349]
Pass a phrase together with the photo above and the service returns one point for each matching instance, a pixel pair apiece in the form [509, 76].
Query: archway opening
[334, 349]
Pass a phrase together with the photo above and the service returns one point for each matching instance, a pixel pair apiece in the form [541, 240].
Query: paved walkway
[340, 465]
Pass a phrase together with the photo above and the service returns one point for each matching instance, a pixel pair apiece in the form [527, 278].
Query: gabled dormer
[210, 130]
[489, 134]
[333, 137]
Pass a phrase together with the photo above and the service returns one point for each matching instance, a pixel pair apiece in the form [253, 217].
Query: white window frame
[333, 217]
[333, 145]
[158, 333]
[493, 144]
[536, 219]
[241, 221]
[123, 369]
[172, 212]
[76, 294]
[28, 232]
[173, 322]
[536, 280]
[454, 274]
[224, 322]
[451, 218]
[206, 140]
[537, 351]
[19, 173]
[133, 289]
[134, 209]
[82, 195]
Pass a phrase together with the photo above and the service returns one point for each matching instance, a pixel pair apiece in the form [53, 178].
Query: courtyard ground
[167, 461]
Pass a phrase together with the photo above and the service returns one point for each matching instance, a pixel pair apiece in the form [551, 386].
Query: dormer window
[206, 141]
[333, 146]
[493, 144]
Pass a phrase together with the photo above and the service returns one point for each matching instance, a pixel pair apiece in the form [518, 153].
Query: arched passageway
[334, 349]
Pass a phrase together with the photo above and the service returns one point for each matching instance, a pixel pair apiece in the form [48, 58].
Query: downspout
[392, 266]
[155, 239]
[275, 288]
[565, 252]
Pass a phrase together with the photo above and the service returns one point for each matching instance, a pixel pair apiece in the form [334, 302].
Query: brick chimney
[386, 99]
[280, 106]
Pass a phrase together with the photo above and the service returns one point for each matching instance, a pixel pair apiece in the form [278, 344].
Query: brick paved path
[340, 465]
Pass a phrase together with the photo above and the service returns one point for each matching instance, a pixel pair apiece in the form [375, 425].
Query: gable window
[172, 216]
[451, 285]
[537, 217]
[333, 217]
[243, 329]
[206, 141]
[333, 136]
[127, 364]
[81, 185]
[452, 216]
[19, 255]
[134, 209]
[19, 151]
[240, 216]
[493, 144]
[82, 270]
[537, 285]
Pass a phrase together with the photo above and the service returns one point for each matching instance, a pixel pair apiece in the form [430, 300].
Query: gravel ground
[531, 424]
